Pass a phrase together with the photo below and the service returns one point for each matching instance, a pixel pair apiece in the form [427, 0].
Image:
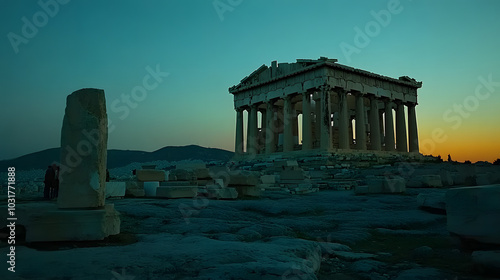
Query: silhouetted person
[449, 158]
[50, 176]
[107, 175]
[55, 186]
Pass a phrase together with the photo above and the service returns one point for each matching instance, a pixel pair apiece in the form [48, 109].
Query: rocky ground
[330, 234]
[323, 235]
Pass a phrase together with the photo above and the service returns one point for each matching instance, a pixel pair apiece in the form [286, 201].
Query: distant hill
[118, 158]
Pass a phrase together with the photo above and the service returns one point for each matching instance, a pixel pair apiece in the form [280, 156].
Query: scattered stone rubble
[364, 173]
[471, 209]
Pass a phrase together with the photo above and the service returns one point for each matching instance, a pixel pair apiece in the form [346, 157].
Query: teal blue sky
[208, 46]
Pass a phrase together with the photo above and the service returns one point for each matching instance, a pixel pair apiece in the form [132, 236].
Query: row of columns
[324, 127]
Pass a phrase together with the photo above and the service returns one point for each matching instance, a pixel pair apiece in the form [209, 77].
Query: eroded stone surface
[45, 222]
[474, 212]
[487, 260]
[382, 184]
[84, 138]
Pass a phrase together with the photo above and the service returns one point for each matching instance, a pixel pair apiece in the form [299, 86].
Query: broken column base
[45, 222]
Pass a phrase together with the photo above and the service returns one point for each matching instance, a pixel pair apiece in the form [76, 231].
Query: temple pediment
[276, 71]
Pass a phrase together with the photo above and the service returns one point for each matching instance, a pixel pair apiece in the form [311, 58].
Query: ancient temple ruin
[341, 109]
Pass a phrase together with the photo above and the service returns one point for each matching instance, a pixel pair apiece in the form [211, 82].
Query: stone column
[412, 128]
[295, 125]
[306, 121]
[84, 140]
[288, 123]
[325, 119]
[360, 122]
[252, 130]
[317, 122]
[401, 145]
[374, 124]
[382, 132]
[343, 120]
[389, 126]
[351, 130]
[238, 145]
[262, 134]
[270, 129]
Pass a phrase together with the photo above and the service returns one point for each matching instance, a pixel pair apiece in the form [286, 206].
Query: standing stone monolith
[84, 138]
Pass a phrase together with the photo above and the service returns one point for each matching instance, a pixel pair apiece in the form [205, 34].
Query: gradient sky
[448, 45]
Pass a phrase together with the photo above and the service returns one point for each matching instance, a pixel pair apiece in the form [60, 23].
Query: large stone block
[150, 188]
[458, 178]
[374, 185]
[134, 189]
[487, 261]
[177, 191]
[268, 179]
[84, 138]
[244, 178]
[286, 164]
[446, 178]
[292, 175]
[432, 202]
[150, 175]
[47, 223]
[115, 189]
[483, 179]
[425, 181]
[182, 175]
[474, 213]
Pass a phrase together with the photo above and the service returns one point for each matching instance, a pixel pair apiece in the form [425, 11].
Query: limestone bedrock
[84, 138]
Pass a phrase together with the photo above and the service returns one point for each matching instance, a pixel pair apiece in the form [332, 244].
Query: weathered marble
[48, 223]
[84, 138]
[474, 213]
[326, 94]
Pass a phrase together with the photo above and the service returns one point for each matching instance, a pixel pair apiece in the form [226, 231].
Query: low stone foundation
[45, 222]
